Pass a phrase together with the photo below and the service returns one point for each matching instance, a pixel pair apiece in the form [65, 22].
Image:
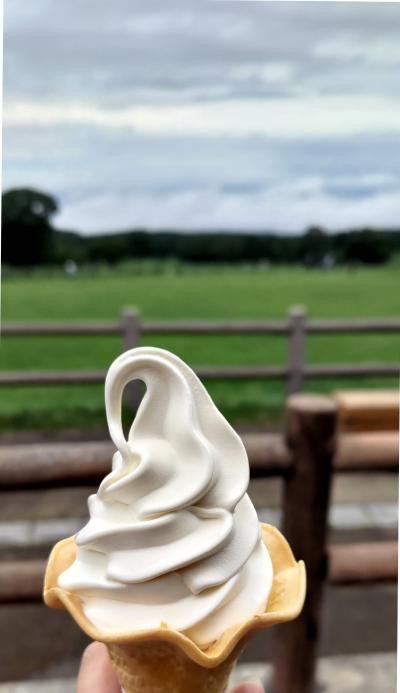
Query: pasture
[169, 291]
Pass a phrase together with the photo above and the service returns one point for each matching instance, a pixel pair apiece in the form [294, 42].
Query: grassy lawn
[168, 292]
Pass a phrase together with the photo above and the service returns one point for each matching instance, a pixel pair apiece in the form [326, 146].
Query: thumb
[96, 674]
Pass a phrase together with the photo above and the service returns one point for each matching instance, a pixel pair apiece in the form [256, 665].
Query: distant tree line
[29, 239]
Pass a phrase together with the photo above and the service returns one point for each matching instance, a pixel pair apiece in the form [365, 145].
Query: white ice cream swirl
[173, 537]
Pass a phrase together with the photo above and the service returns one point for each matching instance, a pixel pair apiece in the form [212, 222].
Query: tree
[367, 247]
[314, 245]
[27, 234]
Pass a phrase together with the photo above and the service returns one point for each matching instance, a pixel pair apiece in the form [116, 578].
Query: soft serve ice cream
[173, 538]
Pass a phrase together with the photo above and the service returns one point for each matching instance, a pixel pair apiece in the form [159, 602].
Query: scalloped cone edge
[285, 603]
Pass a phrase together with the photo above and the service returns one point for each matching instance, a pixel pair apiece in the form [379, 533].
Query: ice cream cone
[164, 659]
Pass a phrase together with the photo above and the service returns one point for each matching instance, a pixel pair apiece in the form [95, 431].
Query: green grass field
[170, 292]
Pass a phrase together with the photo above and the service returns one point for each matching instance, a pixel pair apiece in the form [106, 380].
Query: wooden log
[22, 580]
[310, 434]
[268, 454]
[354, 563]
[53, 464]
[375, 451]
[38, 465]
[368, 410]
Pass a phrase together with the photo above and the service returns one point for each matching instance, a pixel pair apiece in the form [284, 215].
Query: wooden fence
[305, 457]
[296, 328]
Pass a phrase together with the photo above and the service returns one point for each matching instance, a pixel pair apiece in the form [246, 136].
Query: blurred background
[213, 162]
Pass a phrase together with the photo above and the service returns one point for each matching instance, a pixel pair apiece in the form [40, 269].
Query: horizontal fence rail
[51, 377]
[348, 370]
[351, 326]
[280, 327]
[71, 377]
[149, 327]
[62, 329]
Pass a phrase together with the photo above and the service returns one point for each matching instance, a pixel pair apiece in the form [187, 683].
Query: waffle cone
[164, 659]
[161, 667]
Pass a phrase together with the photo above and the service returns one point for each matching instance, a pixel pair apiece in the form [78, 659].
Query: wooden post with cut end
[296, 349]
[310, 435]
[130, 327]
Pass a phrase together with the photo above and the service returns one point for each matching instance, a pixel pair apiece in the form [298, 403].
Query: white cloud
[300, 117]
[289, 207]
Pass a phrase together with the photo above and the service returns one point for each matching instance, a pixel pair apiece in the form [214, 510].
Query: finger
[96, 674]
[248, 688]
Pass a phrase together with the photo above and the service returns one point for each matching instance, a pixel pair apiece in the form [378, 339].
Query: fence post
[296, 349]
[130, 328]
[310, 436]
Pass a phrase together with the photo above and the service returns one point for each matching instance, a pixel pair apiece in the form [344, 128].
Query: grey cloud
[88, 161]
[124, 52]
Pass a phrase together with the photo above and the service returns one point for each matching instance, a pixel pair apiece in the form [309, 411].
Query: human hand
[96, 674]
[248, 688]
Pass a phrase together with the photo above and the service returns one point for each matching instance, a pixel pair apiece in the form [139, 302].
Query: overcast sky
[205, 114]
